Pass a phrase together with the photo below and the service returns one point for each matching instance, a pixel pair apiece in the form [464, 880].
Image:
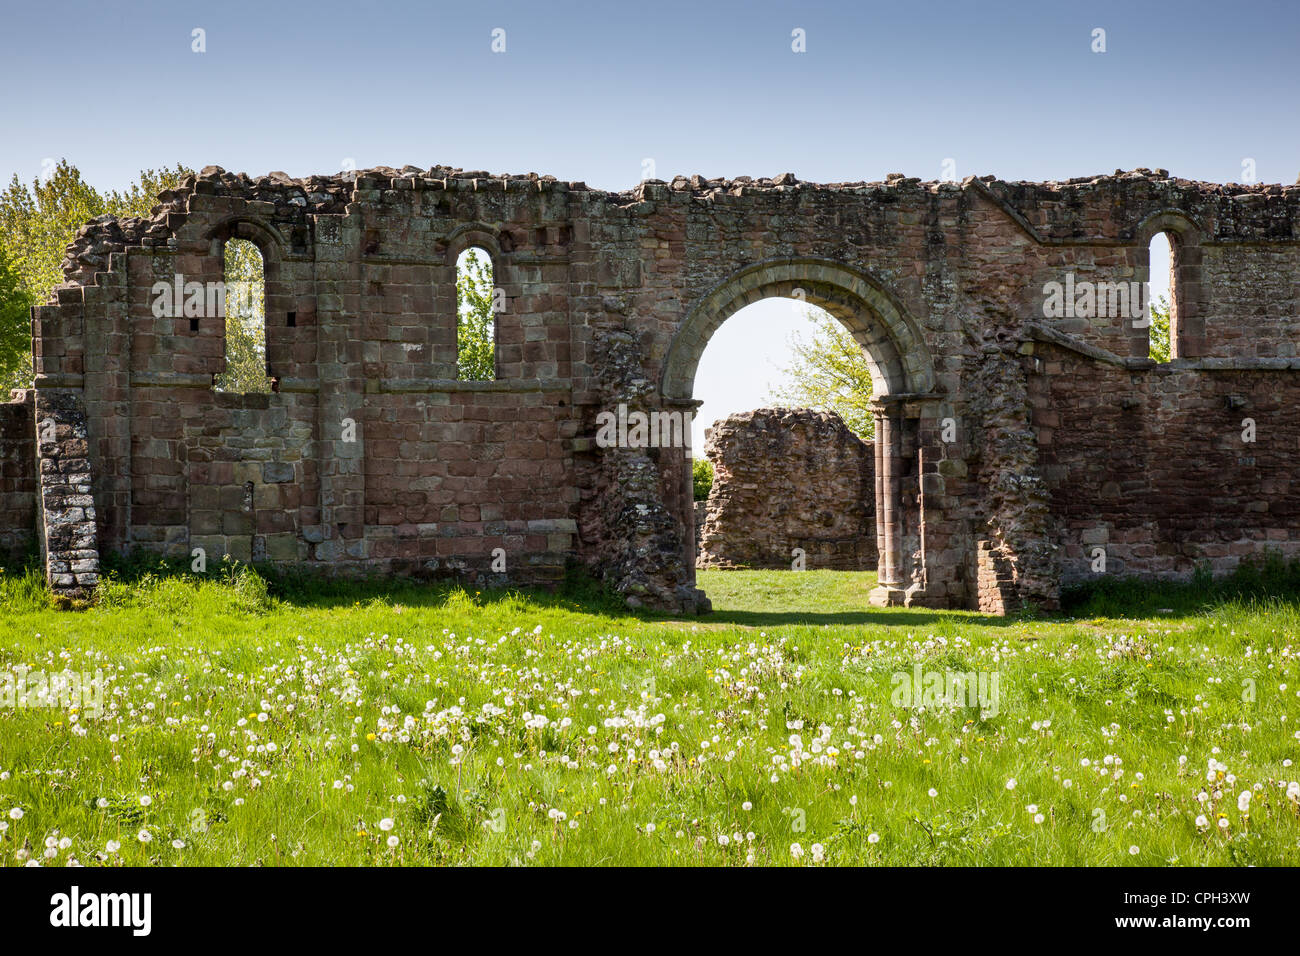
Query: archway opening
[905, 405]
[784, 480]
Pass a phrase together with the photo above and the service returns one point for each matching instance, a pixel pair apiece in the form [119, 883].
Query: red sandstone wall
[600, 289]
[17, 477]
[1151, 466]
[787, 479]
[441, 472]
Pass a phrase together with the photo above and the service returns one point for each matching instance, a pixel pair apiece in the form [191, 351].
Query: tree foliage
[701, 478]
[37, 223]
[476, 321]
[1160, 348]
[831, 373]
[15, 329]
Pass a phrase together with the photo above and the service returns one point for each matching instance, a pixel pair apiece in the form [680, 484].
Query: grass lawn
[378, 724]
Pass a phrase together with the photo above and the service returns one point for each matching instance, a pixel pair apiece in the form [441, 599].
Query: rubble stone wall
[65, 502]
[996, 417]
[789, 486]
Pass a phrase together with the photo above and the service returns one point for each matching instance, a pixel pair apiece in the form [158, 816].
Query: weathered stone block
[277, 471]
[787, 479]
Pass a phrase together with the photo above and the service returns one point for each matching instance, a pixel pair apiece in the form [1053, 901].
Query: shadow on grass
[1270, 578]
[579, 593]
[909, 617]
[313, 590]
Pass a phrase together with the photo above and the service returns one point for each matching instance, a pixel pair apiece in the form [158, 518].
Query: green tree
[476, 322]
[15, 329]
[830, 372]
[245, 278]
[1160, 349]
[37, 224]
[701, 478]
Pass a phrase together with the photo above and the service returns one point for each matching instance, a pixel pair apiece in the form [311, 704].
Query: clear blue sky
[589, 91]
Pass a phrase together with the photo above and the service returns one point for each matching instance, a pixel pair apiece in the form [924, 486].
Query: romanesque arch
[899, 359]
[902, 372]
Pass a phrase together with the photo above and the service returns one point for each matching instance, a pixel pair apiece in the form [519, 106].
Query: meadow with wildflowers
[391, 723]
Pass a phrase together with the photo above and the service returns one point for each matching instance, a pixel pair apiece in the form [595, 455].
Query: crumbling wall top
[1259, 210]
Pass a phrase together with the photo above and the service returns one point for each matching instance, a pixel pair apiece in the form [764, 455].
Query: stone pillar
[337, 282]
[882, 549]
[685, 507]
[890, 586]
[682, 503]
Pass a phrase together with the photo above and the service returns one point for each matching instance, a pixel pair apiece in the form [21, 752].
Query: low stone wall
[788, 480]
[996, 583]
[17, 475]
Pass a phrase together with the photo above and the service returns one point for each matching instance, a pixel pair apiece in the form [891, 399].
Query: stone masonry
[789, 485]
[17, 476]
[1016, 445]
[64, 501]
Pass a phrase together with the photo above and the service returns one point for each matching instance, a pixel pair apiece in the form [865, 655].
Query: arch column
[891, 584]
[681, 459]
[909, 494]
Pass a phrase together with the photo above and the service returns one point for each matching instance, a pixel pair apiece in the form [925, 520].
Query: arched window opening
[245, 308]
[1162, 305]
[476, 308]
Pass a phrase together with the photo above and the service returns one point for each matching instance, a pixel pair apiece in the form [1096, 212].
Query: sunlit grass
[312, 724]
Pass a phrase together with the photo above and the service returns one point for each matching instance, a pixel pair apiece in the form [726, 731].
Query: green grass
[281, 723]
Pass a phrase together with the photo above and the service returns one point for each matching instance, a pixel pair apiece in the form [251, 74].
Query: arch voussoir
[892, 341]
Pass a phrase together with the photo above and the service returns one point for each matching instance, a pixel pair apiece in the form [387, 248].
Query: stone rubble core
[1011, 447]
[787, 479]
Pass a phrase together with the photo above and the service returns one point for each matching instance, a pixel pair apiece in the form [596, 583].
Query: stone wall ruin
[1013, 443]
[791, 488]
